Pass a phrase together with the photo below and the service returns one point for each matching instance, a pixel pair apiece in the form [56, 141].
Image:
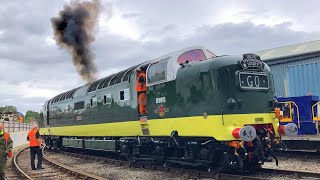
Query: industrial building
[296, 68]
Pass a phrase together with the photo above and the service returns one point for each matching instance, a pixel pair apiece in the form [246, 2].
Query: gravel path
[113, 172]
[11, 173]
[296, 163]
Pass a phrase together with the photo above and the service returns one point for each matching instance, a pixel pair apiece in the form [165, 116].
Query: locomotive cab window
[193, 55]
[211, 55]
[157, 72]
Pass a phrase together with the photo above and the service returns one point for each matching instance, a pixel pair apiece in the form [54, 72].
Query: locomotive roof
[124, 75]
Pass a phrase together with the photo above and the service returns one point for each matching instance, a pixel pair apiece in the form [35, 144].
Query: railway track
[295, 174]
[265, 173]
[298, 152]
[180, 172]
[52, 170]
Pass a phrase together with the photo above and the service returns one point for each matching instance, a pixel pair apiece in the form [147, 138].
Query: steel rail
[72, 171]
[174, 170]
[297, 152]
[60, 166]
[299, 174]
[16, 165]
[197, 173]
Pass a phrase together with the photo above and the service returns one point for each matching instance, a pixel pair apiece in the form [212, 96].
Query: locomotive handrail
[290, 110]
[315, 118]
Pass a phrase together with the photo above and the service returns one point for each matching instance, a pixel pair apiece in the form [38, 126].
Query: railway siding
[52, 169]
[118, 169]
[107, 168]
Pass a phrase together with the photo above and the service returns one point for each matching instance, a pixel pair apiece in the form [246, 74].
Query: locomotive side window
[157, 72]
[121, 95]
[93, 102]
[161, 71]
[68, 107]
[193, 55]
[107, 99]
[152, 73]
[124, 95]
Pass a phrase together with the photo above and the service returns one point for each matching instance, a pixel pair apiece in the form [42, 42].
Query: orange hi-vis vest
[6, 138]
[32, 138]
[141, 86]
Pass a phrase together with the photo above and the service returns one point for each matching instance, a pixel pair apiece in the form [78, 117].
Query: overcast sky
[33, 68]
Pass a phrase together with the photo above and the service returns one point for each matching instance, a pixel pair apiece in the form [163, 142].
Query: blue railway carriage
[304, 111]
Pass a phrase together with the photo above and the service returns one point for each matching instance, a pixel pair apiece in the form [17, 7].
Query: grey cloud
[159, 32]
[130, 15]
[222, 39]
[25, 28]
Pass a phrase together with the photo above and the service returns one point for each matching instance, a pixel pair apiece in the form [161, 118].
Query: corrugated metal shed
[304, 79]
[289, 51]
[280, 59]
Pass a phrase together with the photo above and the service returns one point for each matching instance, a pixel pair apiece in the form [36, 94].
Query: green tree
[32, 116]
[8, 108]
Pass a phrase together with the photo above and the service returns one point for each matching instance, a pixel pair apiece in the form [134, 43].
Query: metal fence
[14, 126]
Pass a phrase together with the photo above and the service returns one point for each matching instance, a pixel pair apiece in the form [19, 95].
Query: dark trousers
[3, 163]
[33, 152]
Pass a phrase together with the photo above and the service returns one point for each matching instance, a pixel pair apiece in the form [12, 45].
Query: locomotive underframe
[203, 152]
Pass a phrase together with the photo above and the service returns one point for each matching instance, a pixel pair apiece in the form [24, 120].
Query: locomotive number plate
[253, 81]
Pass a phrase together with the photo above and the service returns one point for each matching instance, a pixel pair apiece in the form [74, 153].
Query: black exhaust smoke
[73, 31]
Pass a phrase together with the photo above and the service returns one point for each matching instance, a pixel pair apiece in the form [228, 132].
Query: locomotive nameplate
[251, 61]
[253, 81]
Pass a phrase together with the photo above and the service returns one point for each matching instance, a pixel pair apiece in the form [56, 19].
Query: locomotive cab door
[288, 112]
[141, 88]
[316, 111]
[316, 115]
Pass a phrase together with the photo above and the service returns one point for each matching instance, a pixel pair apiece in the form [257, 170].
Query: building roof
[289, 51]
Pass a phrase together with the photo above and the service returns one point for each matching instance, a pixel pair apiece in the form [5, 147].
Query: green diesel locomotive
[202, 110]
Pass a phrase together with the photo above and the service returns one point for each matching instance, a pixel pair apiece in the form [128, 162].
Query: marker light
[290, 129]
[247, 133]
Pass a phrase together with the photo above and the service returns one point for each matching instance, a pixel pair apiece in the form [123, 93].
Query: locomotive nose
[246, 133]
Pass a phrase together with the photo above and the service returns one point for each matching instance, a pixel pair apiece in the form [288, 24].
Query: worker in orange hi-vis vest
[141, 81]
[35, 147]
[5, 149]
[141, 88]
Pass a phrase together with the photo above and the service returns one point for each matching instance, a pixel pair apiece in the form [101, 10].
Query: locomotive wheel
[219, 162]
[255, 167]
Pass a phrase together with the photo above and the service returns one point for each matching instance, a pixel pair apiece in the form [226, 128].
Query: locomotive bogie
[204, 152]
